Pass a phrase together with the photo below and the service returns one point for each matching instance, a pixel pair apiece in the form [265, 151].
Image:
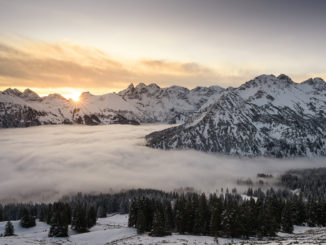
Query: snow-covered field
[114, 230]
[45, 162]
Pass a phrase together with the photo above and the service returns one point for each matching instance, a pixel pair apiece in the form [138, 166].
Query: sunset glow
[185, 43]
[74, 96]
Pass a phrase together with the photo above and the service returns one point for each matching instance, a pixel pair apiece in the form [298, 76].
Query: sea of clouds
[43, 163]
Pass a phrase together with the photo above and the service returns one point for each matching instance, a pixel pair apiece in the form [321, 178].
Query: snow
[150, 103]
[144, 103]
[105, 231]
[114, 230]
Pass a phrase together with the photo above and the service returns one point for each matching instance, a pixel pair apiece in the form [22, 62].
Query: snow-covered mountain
[267, 116]
[172, 105]
[133, 105]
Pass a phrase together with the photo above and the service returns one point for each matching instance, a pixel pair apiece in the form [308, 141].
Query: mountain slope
[267, 116]
[133, 105]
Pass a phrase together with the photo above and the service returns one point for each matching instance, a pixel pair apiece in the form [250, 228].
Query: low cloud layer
[43, 163]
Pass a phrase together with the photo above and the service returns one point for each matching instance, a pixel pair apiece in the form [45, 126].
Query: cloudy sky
[103, 45]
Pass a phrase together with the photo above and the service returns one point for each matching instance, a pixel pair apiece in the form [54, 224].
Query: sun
[74, 95]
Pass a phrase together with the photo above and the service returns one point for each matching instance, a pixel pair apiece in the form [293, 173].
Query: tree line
[310, 182]
[259, 213]
[227, 215]
[80, 211]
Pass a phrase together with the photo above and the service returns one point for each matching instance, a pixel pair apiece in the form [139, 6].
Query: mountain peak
[317, 83]
[131, 86]
[268, 80]
[10, 91]
[140, 86]
[85, 95]
[30, 95]
[154, 85]
[285, 78]
[55, 96]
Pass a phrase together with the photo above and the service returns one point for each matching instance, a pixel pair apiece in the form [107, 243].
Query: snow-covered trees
[260, 213]
[101, 213]
[286, 219]
[60, 219]
[91, 217]
[159, 228]
[59, 228]
[79, 219]
[229, 215]
[9, 229]
[27, 220]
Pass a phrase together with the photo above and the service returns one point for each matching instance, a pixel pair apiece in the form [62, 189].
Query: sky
[104, 45]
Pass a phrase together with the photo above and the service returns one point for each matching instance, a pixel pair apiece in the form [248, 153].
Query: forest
[299, 199]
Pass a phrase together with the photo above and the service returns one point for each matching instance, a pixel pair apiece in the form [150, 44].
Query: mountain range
[134, 105]
[266, 116]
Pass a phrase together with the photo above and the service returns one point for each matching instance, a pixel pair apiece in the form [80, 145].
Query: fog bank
[45, 162]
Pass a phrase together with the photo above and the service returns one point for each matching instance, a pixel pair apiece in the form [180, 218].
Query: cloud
[45, 162]
[187, 69]
[54, 65]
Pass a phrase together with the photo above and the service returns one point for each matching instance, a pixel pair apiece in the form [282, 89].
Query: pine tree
[270, 225]
[9, 230]
[91, 217]
[215, 222]
[59, 226]
[42, 214]
[202, 218]
[191, 210]
[286, 220]
[1, 213]
[49, 214]
[27, 220]
[132, 220]
[141, 222]
[158, 223]
[79, 221]
[168, 217]
[180, 220]
[230, 216]
[311, 214]
[101, 213]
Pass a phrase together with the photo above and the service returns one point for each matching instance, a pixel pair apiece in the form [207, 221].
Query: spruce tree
[203, 217]
[191, 211]
[180, 215]
[286, 220]
[101, 213]
[168, 217]
[79, 220]
[141, 222]
[158, 223]
[27, 220]
[9, 229]
[215, 222]
[49, 214]
[1, 213]
[91, 217]
[132, 220]
[59, 226]
[42, 214]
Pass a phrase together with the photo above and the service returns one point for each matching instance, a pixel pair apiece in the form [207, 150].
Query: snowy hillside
[114, 230]
[267, 116]
[133, 105]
